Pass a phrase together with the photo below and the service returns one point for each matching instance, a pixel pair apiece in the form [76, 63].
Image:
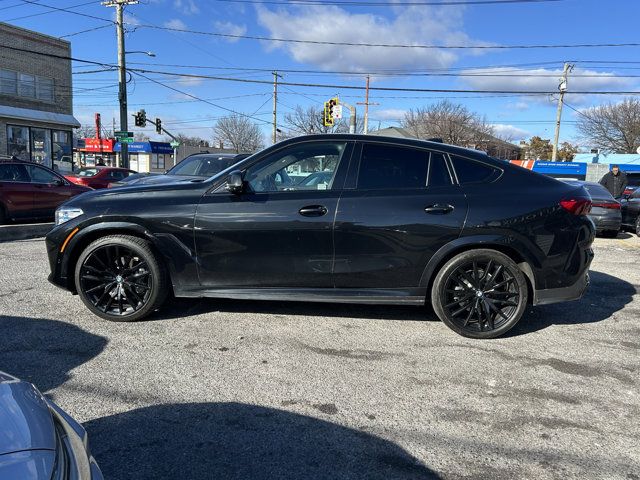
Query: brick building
[36, 102]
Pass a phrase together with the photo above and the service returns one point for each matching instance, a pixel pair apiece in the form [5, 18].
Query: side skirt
[410, 296]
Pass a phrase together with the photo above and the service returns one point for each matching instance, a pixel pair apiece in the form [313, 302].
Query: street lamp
[149, 54]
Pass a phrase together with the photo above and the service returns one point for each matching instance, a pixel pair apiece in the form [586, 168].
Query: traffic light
[328, 119]
[158, 125]
[141, 118]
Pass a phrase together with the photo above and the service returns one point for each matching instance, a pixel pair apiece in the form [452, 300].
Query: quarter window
[309, 166]
[470, 171]
[387, 167]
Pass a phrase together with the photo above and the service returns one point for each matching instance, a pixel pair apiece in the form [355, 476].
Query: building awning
[146, 147]
[30, 115]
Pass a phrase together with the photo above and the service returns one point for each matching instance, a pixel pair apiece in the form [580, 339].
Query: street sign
[123, 134]
[126, 140]
[174, 144]
[337, 112]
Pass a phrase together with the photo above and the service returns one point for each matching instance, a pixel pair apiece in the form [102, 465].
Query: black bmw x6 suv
[387, 221]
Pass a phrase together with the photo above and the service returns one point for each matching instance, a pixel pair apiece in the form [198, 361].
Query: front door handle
[313, 211]
[439, 209]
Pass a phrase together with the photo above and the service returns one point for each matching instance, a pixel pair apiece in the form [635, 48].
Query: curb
[10, 233]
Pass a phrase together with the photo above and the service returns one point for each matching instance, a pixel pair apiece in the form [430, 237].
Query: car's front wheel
[120, 278]
[480, 293]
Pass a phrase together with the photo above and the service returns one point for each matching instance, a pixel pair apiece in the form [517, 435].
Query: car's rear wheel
[480, 293]
[120, 278]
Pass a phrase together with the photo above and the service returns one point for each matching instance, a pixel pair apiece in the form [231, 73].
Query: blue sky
[518, 116]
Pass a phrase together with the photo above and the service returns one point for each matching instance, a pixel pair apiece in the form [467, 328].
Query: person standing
[615, 181]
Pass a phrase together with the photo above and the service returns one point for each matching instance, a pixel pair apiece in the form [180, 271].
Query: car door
[49, 191]
[397, 209]
[631, 208]
[278, 232]
[16, 191]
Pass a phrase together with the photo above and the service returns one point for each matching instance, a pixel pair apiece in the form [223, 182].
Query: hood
[163, 180]
[25, 418]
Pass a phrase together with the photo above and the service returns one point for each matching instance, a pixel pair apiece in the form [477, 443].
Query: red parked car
[32, 191]
[99, 177]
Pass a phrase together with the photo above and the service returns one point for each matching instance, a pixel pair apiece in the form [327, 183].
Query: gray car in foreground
[38, 440]
[605, 210]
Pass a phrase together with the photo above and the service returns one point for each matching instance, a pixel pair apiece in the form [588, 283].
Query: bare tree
[238, 132]
[141, 137]
[613, 127]
[188, 140]
[452, 122]
[308, 121]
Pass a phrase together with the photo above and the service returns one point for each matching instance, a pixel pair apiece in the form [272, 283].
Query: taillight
[577, 206]
[612, 205]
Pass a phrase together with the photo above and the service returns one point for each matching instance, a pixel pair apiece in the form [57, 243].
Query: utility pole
[563, 88]
[366, 108]
[275, 103]
[122, 71]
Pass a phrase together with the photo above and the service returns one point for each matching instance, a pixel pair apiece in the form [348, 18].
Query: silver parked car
[38, 440]
[605, 210]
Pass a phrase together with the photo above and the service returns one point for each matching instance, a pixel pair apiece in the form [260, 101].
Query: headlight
[64, 214]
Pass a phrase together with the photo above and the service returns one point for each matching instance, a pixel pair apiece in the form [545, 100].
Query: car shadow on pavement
[605, 296]
[43, 351]
[239, 441]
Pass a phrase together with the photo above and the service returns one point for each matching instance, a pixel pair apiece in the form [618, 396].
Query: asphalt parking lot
[257, 390]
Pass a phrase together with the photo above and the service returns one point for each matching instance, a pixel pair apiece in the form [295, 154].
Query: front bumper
[564, 294]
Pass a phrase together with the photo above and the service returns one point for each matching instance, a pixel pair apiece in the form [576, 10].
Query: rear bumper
[607, 222]
[564, 294]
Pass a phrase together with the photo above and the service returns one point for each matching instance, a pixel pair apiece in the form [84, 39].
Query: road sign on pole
[123, 134]
[337, 112]
[126, 140]
[175, 144]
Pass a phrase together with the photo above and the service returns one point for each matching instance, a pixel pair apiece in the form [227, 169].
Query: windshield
[87, 172]
[202, 165]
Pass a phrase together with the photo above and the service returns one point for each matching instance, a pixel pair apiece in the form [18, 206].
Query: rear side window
[470, 171]
[596, 190]
[388, 167]
[13, 173]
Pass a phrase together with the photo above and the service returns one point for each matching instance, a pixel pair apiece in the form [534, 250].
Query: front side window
[40, 175]
[308, 166]
[470, 171]
[392, 167]
[18, 142]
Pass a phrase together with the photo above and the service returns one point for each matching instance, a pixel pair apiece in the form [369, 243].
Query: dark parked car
[32, 191]
[196, 167]
[399, 222]
[633, 182]
[131, 179]
[38, 440]
[98, 177]
[605, 210]
[631, 212]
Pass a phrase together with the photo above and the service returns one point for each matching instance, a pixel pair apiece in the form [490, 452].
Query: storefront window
[61, 151]
[18, 142]
[157, 161]
[41, 146]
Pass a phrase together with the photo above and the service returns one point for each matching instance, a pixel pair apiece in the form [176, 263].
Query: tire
[610, 233]
[637, 227]
[480, 294]
[119, 278]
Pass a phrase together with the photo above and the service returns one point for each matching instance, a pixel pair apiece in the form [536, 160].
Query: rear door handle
[439, 209]
[313, 211]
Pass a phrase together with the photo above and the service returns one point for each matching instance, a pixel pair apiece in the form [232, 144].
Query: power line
[85, 31]
[66, 9]
[392, 45]
[33, 2]
[386, 4]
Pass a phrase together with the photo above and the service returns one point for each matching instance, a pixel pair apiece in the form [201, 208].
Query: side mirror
[235, 184]
[58, 182]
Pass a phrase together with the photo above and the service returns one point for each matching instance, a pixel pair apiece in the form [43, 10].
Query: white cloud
[520, 106]
[229, 28]
[510, 132]
[542, 80]
[414, 25]
[190, 81]
[186, 7]
[394, 114]
[176, 24]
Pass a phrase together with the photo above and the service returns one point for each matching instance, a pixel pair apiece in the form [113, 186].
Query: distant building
[36, 102]
[491, 145]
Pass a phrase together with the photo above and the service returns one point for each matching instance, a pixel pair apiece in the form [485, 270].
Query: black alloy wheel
[480, 294]
[119, 278]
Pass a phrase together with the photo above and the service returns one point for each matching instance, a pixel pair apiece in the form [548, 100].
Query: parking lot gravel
[273, 390]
